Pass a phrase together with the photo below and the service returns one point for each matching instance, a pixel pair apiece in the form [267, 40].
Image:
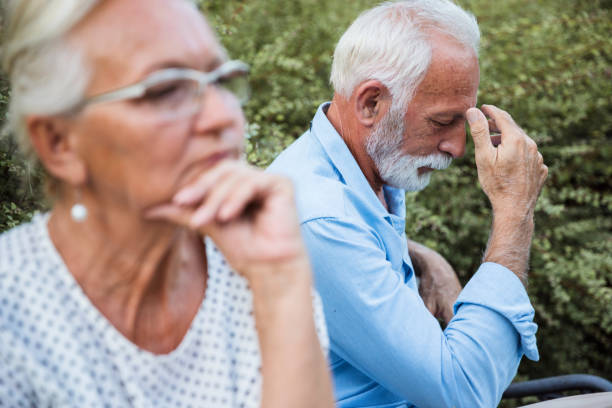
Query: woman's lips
[214, 158]
[198, 167]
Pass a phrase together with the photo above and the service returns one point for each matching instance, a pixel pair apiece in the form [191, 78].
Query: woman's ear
[372, 101]
[52, 141]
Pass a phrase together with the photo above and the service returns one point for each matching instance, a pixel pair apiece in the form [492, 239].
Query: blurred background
[549, 63]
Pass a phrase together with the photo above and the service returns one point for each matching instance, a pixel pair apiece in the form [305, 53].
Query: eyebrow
[215, 62]
[455, 115]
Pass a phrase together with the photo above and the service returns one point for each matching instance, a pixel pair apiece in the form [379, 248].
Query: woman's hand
[251, 217]
[249, 214]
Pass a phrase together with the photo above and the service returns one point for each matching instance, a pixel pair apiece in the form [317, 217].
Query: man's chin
[413, 188]
[414, 184]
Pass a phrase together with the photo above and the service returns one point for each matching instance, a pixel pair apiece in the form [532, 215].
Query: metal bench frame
[552, 387]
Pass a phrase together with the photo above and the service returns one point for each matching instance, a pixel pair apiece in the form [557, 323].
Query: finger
[170, 212]
[495, 139]
[431, 306]
[544, 173]
[447, 313]
[503, 121]
[495, 133]
[479, 130]
[493, 126]
[217, 195]
[196, 191]
[240, 198]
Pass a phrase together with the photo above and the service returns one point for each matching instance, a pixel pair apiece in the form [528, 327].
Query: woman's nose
[219, 110]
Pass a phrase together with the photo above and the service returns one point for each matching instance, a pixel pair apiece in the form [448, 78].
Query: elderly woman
[121, 295]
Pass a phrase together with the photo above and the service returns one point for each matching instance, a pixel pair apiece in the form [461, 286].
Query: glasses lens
[238, 84]
[177, 96]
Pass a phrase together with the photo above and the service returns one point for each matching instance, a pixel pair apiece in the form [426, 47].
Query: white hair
[47, 75]
[390, 43]
[396, 168]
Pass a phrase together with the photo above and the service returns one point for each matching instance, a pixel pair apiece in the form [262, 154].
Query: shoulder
[26, 284]
[22, 250]
[25, 297]
[305, 159]
[320, 189]
[17, 242]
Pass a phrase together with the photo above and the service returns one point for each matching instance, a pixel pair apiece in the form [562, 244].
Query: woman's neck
[148, 279]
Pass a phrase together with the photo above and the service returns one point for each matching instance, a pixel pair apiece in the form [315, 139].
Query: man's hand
[439, 286]
[512, 175]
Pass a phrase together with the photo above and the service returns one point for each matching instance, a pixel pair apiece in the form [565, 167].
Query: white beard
[384, 145]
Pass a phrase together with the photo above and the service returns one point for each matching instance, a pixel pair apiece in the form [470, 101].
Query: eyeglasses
[176, 93]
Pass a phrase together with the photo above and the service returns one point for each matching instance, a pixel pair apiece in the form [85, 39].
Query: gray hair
[390, 43]
[47, 75]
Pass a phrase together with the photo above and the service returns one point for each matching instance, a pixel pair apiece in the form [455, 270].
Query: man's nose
[219, 111]
[453, 142]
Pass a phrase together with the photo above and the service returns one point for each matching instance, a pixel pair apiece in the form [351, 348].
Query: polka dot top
[58, 350]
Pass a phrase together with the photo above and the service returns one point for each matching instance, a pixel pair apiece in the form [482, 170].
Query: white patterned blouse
[58, 350]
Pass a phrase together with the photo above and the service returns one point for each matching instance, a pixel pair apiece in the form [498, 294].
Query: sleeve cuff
[497, 288]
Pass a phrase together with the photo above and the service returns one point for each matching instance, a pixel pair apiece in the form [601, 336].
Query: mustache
[436, 161]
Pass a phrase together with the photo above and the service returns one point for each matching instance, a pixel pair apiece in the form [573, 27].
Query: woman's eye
[160, 92]
[166, 91]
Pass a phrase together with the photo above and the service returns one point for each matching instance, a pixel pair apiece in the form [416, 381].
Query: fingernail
[472, 115]
[199, 218]
[224, 213]
[183, 197]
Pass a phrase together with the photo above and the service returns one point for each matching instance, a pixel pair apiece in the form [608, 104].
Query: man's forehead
[451, 82]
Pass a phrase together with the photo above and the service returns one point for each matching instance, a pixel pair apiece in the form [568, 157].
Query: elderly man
[405, 76]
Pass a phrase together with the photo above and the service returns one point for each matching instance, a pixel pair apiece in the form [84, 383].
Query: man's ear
[372, 100]
[51, 139]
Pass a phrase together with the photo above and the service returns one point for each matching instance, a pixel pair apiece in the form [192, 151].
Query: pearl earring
[78, 212]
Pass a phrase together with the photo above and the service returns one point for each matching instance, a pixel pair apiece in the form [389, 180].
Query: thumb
[447, 313]
[479, 129]
[431, 305]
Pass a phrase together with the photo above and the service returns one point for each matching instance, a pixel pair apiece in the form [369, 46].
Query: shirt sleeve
[381, 326]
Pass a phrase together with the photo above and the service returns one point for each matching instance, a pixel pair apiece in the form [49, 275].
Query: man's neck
[355, 138]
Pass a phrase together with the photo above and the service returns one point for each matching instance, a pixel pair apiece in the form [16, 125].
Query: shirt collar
[342, 159]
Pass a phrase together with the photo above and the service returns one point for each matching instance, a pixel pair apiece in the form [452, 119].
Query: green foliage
[19, 187]
[546, 62]
[14, 207]
[549, 64]
[289, 46]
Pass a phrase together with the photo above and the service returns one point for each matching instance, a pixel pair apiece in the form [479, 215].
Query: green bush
[546, 62]
[549, 64]
[20, 188]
